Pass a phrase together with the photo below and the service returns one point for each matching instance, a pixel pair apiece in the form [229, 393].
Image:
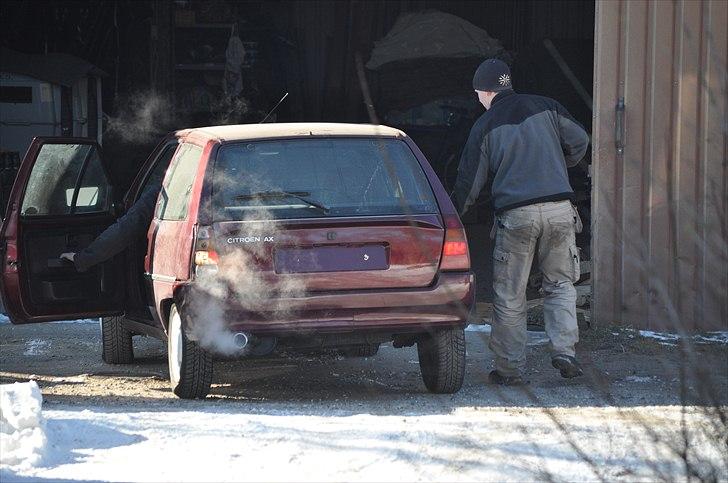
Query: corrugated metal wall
[660, 208]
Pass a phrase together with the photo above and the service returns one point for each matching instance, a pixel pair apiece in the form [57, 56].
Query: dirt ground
[323, 417]
[622, 369]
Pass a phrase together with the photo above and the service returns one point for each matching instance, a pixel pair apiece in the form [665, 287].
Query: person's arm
[574, 139]
[472, 171]
[125, 231]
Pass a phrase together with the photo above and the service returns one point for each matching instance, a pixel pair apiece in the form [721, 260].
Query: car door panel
[171, 234]
[53, 281]
[140, 299]
[61, 200]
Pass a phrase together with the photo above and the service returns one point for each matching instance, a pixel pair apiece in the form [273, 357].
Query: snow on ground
[639, 379]
[4, 319]
[78, 321]
[720, 337]
[667, 338]
[22, 437]
[121, 428]
[35, 347]
[467, 444]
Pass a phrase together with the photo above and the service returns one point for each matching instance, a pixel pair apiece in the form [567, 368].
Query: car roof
[246, 132]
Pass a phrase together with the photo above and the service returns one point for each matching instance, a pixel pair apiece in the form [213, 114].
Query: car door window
[156, 174]
[92, 192]
[66, 179]
[176, 194]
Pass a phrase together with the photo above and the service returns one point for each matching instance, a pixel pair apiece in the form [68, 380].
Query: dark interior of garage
[165, 69]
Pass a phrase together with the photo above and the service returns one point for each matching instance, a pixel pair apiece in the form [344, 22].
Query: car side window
[176, 193]
[66, 179]
[156, 175]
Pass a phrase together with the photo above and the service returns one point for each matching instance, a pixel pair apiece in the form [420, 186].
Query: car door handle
[619, 126]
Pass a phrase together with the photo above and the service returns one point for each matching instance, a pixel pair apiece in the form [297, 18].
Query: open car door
[61, 200]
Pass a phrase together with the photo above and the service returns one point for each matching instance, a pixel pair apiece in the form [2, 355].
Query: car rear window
[307, 178]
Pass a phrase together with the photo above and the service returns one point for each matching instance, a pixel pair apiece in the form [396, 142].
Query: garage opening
[232, 63]
[191, 63]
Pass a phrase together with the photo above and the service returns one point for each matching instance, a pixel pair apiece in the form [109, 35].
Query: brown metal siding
[660, 210]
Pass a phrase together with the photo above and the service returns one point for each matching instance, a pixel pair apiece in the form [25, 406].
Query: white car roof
[242, 132]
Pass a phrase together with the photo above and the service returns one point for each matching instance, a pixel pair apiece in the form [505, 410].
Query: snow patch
[712, 337]
[22, 428]
[667, 338]
[661, 336]
[4, 319]
[537, 338]
[79, 321]
[231, 443]
[36, 347]
[638, 379]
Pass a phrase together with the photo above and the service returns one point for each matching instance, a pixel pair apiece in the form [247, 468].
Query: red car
[310, 235]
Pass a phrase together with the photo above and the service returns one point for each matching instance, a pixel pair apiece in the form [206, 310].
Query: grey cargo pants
[549, 229]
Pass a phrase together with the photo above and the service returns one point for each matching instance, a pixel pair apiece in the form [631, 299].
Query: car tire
[116, 344]
[190, 366]
[442, 360]
[361, 350]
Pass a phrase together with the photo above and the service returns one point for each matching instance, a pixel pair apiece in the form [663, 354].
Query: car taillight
[455, 254]
[206, 258]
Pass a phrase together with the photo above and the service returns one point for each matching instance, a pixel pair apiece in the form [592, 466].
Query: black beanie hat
[493, 75]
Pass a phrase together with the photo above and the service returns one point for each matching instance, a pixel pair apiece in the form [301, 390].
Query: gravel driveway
[299, 416]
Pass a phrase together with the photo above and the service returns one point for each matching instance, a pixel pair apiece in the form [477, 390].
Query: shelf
[205, 26]
[199, 66]
[207, 67]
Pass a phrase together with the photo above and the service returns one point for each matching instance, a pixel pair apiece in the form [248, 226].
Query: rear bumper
[446, 303]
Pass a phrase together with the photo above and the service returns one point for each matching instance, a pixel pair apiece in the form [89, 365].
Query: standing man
[525, 143]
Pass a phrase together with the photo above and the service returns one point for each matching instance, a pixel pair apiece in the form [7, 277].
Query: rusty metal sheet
[660, 206]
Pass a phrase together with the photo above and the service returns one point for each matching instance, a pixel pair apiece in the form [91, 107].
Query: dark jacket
[525, 143]
[127, 230]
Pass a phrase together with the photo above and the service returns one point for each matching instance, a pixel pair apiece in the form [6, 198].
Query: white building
[47, 95]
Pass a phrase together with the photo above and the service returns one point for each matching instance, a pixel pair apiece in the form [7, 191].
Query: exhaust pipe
[241, 340]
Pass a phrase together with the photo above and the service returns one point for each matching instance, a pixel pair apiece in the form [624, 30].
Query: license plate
[330, 259]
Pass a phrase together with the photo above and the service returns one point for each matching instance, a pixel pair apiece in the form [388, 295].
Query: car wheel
[116, 345]
[442, 360]
[190, 366]
[361, 350]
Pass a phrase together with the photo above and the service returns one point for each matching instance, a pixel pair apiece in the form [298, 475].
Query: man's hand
[68, 256]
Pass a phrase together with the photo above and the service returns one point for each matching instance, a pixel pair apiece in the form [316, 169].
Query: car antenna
[274, 108]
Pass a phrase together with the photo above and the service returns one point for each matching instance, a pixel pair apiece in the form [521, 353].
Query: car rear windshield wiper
[300, 195]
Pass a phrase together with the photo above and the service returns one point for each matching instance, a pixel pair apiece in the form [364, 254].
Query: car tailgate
[334, 253]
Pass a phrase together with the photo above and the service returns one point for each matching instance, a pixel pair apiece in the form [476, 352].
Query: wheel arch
[165, 308]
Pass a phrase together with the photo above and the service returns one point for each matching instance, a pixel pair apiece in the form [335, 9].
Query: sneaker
[567, 365]
[496, 378]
